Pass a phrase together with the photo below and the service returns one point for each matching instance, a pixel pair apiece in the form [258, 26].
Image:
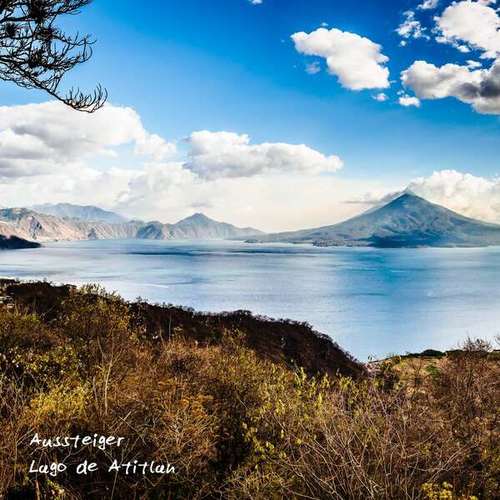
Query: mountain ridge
[407, 221]
[82, 212]
[31, 225]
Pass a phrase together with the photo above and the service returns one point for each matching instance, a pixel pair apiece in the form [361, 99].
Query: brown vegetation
[234, 423]
[290, 342]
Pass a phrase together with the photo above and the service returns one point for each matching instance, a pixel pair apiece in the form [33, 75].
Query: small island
[15, 243]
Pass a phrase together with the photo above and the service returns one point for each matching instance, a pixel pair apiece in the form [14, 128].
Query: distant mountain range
[196, 227]
[82, 212]
[93, 223]
[406, 221]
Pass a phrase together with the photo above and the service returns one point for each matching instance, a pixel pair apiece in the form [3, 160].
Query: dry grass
[233, 424]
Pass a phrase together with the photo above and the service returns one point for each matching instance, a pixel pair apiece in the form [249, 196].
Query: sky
[279, 114]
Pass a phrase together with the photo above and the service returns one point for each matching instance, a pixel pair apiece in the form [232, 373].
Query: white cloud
[154, 146]
[256, 2]
[480, 88]
[474, 64]
[408, 101]
[411, 27]
[273, 202]
[355, 60]
[226, 154]
[83, 185]
[471, 24]
[36, 138]
[381, 97]
[159, 191]
[48, 155]
[474, 196]
[428, 5]
[432, 82]
[313, 68]
[169, 192]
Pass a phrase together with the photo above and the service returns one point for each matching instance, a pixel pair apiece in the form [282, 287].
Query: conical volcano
[407, 221]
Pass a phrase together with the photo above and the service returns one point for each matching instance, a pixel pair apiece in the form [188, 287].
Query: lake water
[372, 302]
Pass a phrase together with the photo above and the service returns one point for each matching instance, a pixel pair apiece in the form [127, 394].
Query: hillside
[230, 405]
[281, 341]
[407, 221]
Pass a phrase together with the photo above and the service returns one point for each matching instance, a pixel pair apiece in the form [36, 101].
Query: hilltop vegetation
[235, 422]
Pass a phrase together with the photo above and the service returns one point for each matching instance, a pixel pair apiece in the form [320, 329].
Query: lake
[372, 302]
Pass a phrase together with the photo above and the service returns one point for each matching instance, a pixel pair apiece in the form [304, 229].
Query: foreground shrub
[231, 423]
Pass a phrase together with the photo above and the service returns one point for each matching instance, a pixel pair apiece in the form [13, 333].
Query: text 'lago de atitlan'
[85, 467]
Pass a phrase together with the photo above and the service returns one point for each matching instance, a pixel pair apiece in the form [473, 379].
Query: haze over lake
[371, 301]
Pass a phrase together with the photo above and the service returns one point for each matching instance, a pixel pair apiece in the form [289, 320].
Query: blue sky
[228, 65]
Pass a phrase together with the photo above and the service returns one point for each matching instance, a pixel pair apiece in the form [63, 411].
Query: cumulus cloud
[408, 101]
[84, 185]
[467, 24]
[357, 61]
[154, 146]
[157, 189]
[428, 5]
[169, 192]
[474, 196]
[474, 64]
[35, 138]
[226, 154]
[411, 27]
[381, 97]
[313, 68]
[480, 88]
[273, 202]
[109, 159]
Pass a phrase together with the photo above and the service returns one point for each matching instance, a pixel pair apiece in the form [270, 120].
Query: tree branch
[36, 54]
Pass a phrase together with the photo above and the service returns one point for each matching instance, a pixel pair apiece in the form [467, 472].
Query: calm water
[372, 302]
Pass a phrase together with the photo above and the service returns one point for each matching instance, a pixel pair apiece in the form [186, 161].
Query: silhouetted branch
[36, 54]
